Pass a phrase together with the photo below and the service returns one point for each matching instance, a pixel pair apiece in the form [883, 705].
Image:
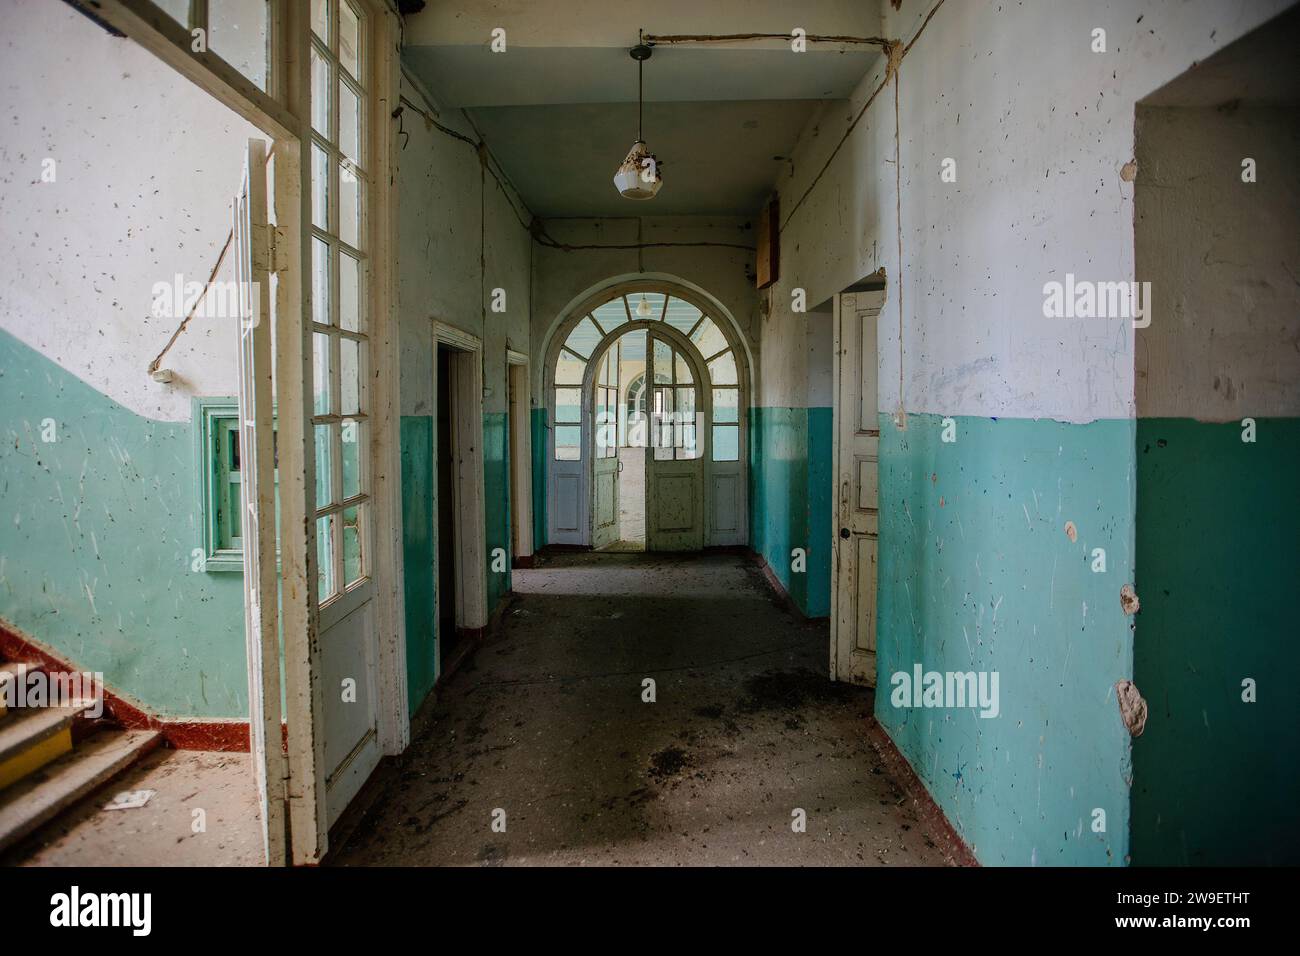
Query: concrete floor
[161, 833]
[547, 724]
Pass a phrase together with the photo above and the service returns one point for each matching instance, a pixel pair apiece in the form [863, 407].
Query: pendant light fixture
[643, 309]
[639, 176]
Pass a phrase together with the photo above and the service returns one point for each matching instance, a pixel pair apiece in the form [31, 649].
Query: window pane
[324, 466]
[646, 306]
[320, 18]
[320, 94]
[726, 442]
[353, 558]
[349, 206]
[320, 281]
[353, 441]
[237, 33]
[325, 557]
[688, 449]
[726, 405]
[352, 355]
[663, 371]
[682, 315]
[708, 338]
[569, 369]
[568, 405]
[611, 315]
[320, 179]
[320, 373]
[722, 370]
[178, 10]
[584, 338]
[349, 39]
[349, 123]
[683, 368]
[349, 293]
[567, 438]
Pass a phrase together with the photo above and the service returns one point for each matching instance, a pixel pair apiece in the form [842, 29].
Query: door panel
[351, 740]
[568, 497]
[726, 505]
[856, 545]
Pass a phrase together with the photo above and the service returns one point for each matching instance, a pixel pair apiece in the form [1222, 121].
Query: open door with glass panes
[675, 462]
[341, 163]
[604, 457]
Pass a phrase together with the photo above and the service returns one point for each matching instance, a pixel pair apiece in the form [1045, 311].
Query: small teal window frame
[216, 419]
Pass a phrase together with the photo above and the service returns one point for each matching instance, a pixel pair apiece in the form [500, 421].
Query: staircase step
[52, 789]
[33, 737]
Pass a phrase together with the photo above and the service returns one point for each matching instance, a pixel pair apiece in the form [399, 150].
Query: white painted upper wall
[1039, 127]
[458, 240]
[146, 167]
[723, 271]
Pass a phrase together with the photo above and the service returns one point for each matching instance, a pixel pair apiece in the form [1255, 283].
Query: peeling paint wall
[99, 525]
[1039, 128]
[459, 239]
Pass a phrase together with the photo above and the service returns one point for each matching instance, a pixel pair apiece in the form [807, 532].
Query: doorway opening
[647, 385]
[1217, 434]
[449, 635]
[621, 437]
[520, 458]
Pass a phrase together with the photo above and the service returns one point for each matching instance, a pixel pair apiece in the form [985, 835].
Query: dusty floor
[164, 832]
[546, 730]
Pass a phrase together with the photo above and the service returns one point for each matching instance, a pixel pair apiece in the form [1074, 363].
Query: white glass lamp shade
[639, 176]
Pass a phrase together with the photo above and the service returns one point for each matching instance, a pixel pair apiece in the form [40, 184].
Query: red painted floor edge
[931, 813]
[181, 734]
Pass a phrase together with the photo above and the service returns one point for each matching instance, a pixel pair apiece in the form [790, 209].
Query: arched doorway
[653, 349]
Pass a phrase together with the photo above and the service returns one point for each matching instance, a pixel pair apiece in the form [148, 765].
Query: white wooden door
[252, 241]
[675, 460]
[604, 449]
[857, 518]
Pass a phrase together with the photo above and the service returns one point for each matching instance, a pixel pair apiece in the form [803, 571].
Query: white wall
[723, 269]
[459, 240]
[146, 166]
[1040, 127]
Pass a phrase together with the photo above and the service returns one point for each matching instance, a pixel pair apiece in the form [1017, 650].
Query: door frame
[283, 113]
[520, 449]
[746, 373]
[469, 519]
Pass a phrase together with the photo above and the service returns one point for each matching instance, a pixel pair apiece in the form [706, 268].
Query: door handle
[620, 467]
[844, 533]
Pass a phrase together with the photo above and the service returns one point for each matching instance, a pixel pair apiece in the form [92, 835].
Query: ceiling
[558, 108]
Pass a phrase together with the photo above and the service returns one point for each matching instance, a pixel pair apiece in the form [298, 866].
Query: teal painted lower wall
[419, 546]
[977, 574]
[496, 505]
[1215, 778]
[790, 488]
[96, 541]
[540, 438]
[420, 539]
